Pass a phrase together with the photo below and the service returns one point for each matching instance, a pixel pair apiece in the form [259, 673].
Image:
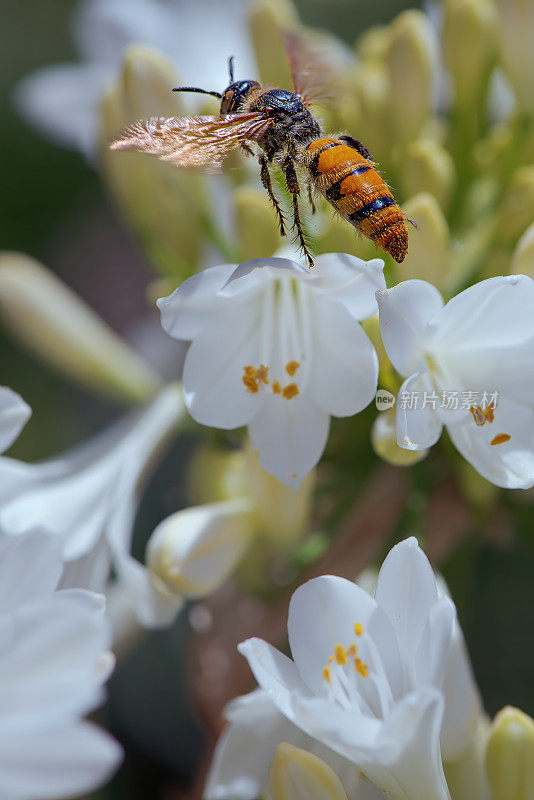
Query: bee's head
[235, 94]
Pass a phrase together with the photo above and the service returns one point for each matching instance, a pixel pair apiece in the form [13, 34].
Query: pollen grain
[290, 391]
[292, 367]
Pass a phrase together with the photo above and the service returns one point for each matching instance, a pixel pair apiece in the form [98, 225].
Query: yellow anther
[352, 651]
[252, 377]
[362, 668]
[501, 438]
[340, 655]
[326, 674]
[292, 367]
[330, 659]
[478, 415]
[358, 628]
[290, 391]
[277, 389]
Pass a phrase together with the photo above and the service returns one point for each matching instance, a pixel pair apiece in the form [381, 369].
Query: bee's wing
[315, 78]
[192, 141]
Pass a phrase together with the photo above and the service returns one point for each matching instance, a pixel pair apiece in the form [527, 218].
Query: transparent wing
[192, 141]
[316, 78]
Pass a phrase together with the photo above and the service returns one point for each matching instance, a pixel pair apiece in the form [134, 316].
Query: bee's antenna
[231, 68]
[194, 89]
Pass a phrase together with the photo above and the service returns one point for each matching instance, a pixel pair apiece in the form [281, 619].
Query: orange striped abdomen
[351, 184]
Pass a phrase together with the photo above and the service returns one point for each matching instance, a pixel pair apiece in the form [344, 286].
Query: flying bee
[277, 126]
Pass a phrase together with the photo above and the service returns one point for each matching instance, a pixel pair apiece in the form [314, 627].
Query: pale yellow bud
[516, 210]
[215, 474]
[258, 232]
[384, 441]
[388, 377]
[373, 98]
[510, 756]
[281, 514]
[516, 24]
[53, 322]
[298, 775]
[523, 259]
[410, 72]
[339, 236]
[195, 550]
[428, 244]
[268, 21]
[163, 204]
[426, 166]
[373, 43]
[466, 776]
[469, 43]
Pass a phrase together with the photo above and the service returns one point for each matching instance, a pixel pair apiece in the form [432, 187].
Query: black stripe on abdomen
[370, 208]
[333, 192]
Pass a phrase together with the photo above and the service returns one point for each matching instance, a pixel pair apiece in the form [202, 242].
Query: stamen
[353, 650]
[326, 674]
[292, 367]
[276, 387]
[501, 438]
[362, 668]
[340, 655]
[290, 391]
[478, 415]
[252, 377]
[358, 628]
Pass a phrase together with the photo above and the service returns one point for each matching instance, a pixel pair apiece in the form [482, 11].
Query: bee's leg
[288, 168]
[310, 198]
[359, 146]
[266, 181]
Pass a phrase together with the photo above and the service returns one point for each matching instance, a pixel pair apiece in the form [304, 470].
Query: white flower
[474, 358]
[62, 101]
[244, 751]
[278, 347]
[14, 414]
[54, 660]
[379, 681]
[88, 498]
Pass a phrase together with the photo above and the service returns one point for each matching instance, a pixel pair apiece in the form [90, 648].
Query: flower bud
[268, 21]
[425, 166]
[410, 73]
[466, 775]
[428, 244]
[52, 322]
[466, 22]
[510, 756]
[281, 514]
[516, 210]
[516, 23]
[384, 441]
[257, 226]
[217, 474]
[373, 98]
[337, 236]
[296, 774]
[523, 259]
[194, 551]
[373, 44]
[163, 205]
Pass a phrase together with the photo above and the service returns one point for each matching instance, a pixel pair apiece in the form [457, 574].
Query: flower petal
[433, 648]
[53, 661]
[406, 590]
[322, 614]
[185, 312]
[507, 462]
[463, 708]
[405, 310]
[492, 313]
[420, 427]
[213, 386]
[56, 762]
[345, 364]
[351, 281]
[30, 567]
[290, 437]
[14, 414]
[61, 102]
